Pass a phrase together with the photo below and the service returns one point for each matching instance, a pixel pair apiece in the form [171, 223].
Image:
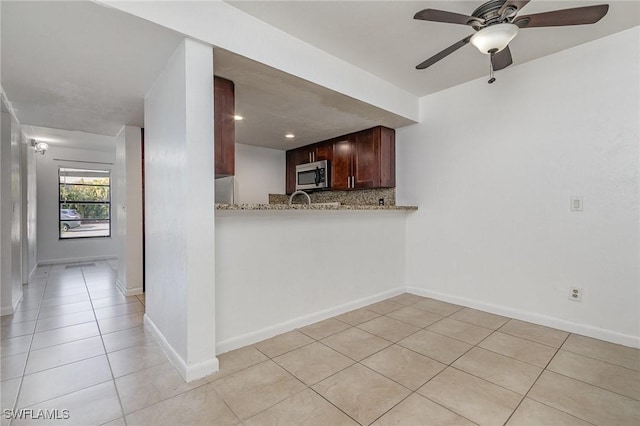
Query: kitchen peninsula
[285, 207]
[285, 267]
[282, 266]
[366, 199]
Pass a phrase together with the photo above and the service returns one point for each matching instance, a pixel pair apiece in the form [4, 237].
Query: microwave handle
[317, 180]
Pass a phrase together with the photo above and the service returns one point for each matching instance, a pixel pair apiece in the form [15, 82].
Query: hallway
[74, 333]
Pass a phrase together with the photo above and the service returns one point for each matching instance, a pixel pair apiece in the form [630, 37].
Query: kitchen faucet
[299, 193]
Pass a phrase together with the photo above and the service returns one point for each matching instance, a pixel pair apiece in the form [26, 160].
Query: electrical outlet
[575, 294]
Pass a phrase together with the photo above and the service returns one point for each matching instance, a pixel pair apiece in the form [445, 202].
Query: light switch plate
[576, 204]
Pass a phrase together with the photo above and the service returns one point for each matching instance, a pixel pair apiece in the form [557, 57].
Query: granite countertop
[220, 206]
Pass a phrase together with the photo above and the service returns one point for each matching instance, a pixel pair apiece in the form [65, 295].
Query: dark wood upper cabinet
[374, 159]
[224, 127]
[387, 157]
[323, 152]
[341, 164]
[359, 160]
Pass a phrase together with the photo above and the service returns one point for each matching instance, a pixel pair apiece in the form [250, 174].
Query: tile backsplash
[360, 197]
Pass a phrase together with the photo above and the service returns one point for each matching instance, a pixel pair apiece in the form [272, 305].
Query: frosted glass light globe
[493, 37]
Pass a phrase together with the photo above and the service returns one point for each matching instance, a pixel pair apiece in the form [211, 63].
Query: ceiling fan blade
[559, 18]
[447, 17]
[502, 59]
[517, 4]
[446, 52]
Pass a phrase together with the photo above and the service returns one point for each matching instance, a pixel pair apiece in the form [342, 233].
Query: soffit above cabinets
[273, 103]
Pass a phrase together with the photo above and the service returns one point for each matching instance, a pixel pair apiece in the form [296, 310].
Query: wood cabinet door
[366, 156]
[387, 158]
[293, 158]
[341, 164]
[324, 151]
[224, 127]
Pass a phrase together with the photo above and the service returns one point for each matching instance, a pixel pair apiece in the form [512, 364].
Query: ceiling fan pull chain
[491, 77]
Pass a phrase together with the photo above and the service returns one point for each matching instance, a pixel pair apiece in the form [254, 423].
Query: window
[85, 203]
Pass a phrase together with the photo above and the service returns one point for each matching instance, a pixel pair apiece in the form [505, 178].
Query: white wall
[30, 203]
[127, 207]
[493, 168]
[11, 139]
[179, 201]
[50, 247]
[16, 221]
[280, 270]
[6, 214]
[259, 172]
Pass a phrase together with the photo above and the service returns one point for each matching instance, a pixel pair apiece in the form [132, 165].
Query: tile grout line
[331, 375]
[24, 368]
[355, 362]
[450, 365]
[113, 379]
[536, 381]
[591, 384]
[597, 359]
[332, 404]
[67, 393]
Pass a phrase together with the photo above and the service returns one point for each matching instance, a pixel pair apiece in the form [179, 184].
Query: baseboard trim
[560, 324]
[283, 327]
[11, 309]
[75, 260]
[31, 273]
[189, 372]
[128, 291]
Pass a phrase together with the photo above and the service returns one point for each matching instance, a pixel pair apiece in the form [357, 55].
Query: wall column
[179, 201]
[128, 209]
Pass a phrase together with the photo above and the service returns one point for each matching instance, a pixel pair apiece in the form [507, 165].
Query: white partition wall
[179, 205]
[10, 213]
[5, 214]
[128, 209]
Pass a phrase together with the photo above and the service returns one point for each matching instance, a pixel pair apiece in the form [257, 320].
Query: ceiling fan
[497, 22]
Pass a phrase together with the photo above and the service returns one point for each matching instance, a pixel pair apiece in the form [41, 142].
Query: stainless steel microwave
[314, 175]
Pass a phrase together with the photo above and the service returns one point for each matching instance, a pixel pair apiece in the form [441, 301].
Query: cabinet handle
[349, 182]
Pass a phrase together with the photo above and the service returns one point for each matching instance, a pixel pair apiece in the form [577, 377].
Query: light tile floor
[76, 343]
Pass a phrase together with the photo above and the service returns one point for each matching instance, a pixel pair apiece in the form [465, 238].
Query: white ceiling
[70, 139]
[86, 68]
[383, 38]
[80, 66]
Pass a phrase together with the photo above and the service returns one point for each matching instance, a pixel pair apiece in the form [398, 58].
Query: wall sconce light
[40, 147]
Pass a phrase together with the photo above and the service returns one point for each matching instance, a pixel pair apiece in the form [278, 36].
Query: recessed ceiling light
[238, 117]
[289, 136]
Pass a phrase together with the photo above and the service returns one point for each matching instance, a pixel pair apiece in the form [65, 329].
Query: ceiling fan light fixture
[494, 38]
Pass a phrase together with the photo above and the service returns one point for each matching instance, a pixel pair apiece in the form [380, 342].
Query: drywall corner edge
[189, 372]
[11, 309]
